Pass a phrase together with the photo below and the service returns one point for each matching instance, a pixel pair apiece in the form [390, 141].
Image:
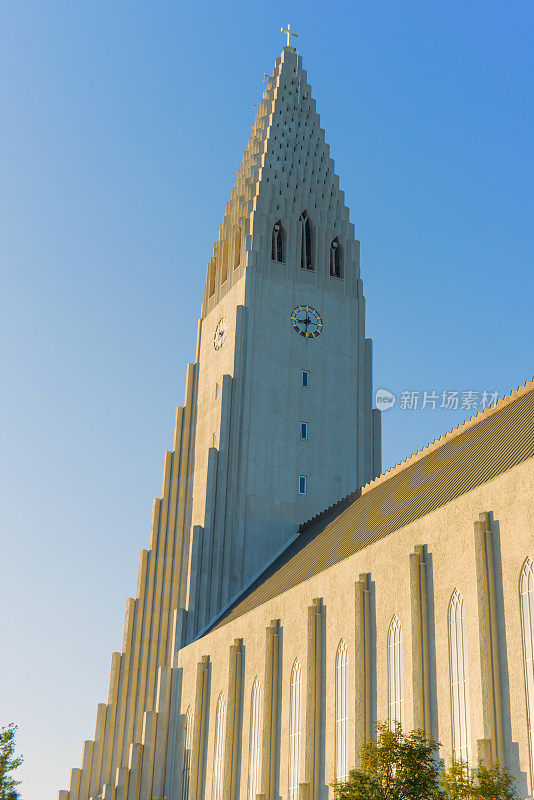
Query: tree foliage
[394, 767]
[8, 763]
[399, 766]
[483, 783]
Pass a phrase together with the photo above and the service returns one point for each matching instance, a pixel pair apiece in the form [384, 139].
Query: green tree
[8, 763]
[400, 766]
[483, 783]
[457, 781]
[394, 767]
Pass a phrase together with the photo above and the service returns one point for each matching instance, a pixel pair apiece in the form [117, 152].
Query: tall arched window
[278, 242]
[237, 249]
[336, 259]
[186, 759]
[295, 724]
[224, 268]
[306, 259]
[459, 679]
[395, 676]
[218, 749]
[526, 597]
[255, 741]
[211, 277]
[342, 712]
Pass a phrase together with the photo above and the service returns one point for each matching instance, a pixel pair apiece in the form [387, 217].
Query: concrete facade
[244, 574]
[249, 400]
[455, 517]
[230, 498]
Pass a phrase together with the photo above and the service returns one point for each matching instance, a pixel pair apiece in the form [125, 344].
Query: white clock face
[220, 333]
[306, 321]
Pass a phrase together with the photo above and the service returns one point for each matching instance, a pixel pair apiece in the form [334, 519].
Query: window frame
[341, 717]
[186, 755]
[295, 730]
[526, 604]
[303, 484]
[459, 679]
[395, 674]
[254, 757]
[218, 749]
[336, 259]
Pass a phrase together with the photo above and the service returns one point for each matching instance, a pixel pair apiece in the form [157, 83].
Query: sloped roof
[477, 451]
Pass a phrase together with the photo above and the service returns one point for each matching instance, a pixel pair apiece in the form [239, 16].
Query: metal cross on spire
[289, 32]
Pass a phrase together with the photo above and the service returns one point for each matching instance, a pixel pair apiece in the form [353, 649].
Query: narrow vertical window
[305, 378]
[237, 249]
[295, 724]
[526, 597]
[218, 749]
[224, 267]
[459, 679]
[306, 260]
[278, 243]
[302, 484]
[212, 271]
[303, 430]
[336, 255]
[342, 712]
[186, 759]
[255, 743]
[395, 676]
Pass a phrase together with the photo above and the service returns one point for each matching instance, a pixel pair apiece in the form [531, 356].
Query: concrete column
[420, 653]
[163, 711]
[484, 751]
[74, 785]
[109, 792]
[233, 720]
[114, 678]
[87, 759]
[150, 719]
[62, 795]
[100, 730]
[123, 699]
[121, 782]
[362, 661]
[146, 637]
[489, 637]
[172, 768]
[161, 552]
[181, 568]
[200, 725]
[138, 628]
[221, 536]
[194, 583]
[314, 698]
[270, 710]
[234, 536]
[166, 630]
[134, 763]
[206, 576]
[179, 622]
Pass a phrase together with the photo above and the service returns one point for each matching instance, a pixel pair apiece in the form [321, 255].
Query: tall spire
[286, 165]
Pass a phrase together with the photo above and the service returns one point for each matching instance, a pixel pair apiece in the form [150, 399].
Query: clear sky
[122, 124]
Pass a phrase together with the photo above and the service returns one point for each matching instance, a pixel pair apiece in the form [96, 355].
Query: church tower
[283, 425]
[277, 423]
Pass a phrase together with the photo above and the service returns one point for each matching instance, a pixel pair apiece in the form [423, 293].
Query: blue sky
[122, 124]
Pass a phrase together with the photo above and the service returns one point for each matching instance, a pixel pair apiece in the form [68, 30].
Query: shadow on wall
[511, 748]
